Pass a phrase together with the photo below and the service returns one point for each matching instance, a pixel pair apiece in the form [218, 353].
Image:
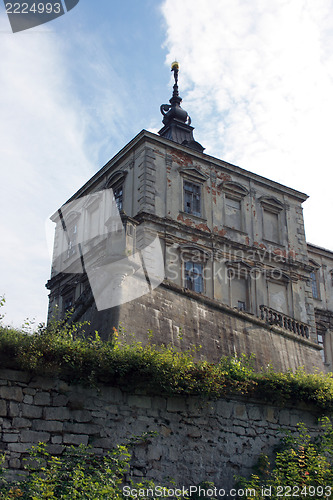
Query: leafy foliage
[77, 474]
[62, 348]
[302, 468]
[2, 303]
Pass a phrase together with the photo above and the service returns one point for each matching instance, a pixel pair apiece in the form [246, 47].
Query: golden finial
[175, 66]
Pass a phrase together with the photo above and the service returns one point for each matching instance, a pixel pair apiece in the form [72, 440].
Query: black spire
[177, 123]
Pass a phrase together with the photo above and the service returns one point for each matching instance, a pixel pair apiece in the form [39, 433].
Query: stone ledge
[239, 314]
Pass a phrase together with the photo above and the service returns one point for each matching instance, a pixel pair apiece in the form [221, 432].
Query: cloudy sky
[256, 78]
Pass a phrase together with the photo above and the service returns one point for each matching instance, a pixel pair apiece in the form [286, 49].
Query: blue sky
[256, 78]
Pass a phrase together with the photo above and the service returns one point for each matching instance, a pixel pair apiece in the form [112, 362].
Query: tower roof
[177, 123]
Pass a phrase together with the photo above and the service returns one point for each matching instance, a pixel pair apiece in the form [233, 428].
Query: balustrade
[273, 317]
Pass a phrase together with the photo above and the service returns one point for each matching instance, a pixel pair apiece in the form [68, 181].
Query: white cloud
[51, 135]
[256, 78]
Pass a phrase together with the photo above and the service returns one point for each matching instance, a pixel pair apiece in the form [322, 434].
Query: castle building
[195, 250]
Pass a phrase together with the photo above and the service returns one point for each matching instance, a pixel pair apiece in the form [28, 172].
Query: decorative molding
[116, 177]
[193, 173]
[190, 249]
[271, 204]
[234, 189]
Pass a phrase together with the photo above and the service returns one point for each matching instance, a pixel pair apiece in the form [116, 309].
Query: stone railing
[272, 317]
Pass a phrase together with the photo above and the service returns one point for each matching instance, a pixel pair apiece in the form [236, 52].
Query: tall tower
[167, 238]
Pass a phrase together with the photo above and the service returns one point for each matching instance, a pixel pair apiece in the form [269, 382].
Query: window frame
[241, 271]
[314, 283]
[236, 192]
[117, 181]
[321, 342]
[70, 222]
[282, 279]
[198, 185]
[116, 187]
[187, 276]
[69, 296]
[195, 255]
[241, 221]
[271, 206]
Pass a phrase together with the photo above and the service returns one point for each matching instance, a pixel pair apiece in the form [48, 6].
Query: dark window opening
[314, 285]
[118, 196]
[321, 342]
[241, 305]
[192, 198]
[194, 276]
[68, 303]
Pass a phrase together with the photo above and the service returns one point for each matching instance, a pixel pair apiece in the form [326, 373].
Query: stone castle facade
[237, 274]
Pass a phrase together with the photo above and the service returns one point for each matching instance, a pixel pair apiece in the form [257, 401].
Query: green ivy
[63, 349]
[302, 468]
[77, 474]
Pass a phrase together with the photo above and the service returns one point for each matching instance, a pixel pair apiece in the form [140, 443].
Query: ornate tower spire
[177, 123]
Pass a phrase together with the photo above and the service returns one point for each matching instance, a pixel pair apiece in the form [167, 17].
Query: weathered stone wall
[197, 440]
[184, 319]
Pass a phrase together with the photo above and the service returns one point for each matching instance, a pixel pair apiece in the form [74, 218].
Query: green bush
[302, 468]
[77, 474]
[63, 349]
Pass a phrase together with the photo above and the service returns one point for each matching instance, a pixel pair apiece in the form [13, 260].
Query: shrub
[77, 474]
[63, 349]
[302, 468]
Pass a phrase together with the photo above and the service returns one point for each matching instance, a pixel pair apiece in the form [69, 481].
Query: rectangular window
[271, 226]
[241, 305]
[72, 234]
[192, 198]
[320, 340]
[233, 213]
[314, 285]
[118, 196]
[94, 222]
[194, 276]
[239, 293]
[278, 296]
[68, 303]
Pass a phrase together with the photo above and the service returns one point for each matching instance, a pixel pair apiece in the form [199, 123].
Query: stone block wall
[187, 319]
[196, 440]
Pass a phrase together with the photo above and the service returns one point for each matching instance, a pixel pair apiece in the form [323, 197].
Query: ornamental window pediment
[116, 178]
[194, 253]
[277, 275]
[193, 174]
[271, 204]
[315, 264]
[234, 189]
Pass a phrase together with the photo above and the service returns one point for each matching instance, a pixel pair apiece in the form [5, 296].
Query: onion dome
[177, 123]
